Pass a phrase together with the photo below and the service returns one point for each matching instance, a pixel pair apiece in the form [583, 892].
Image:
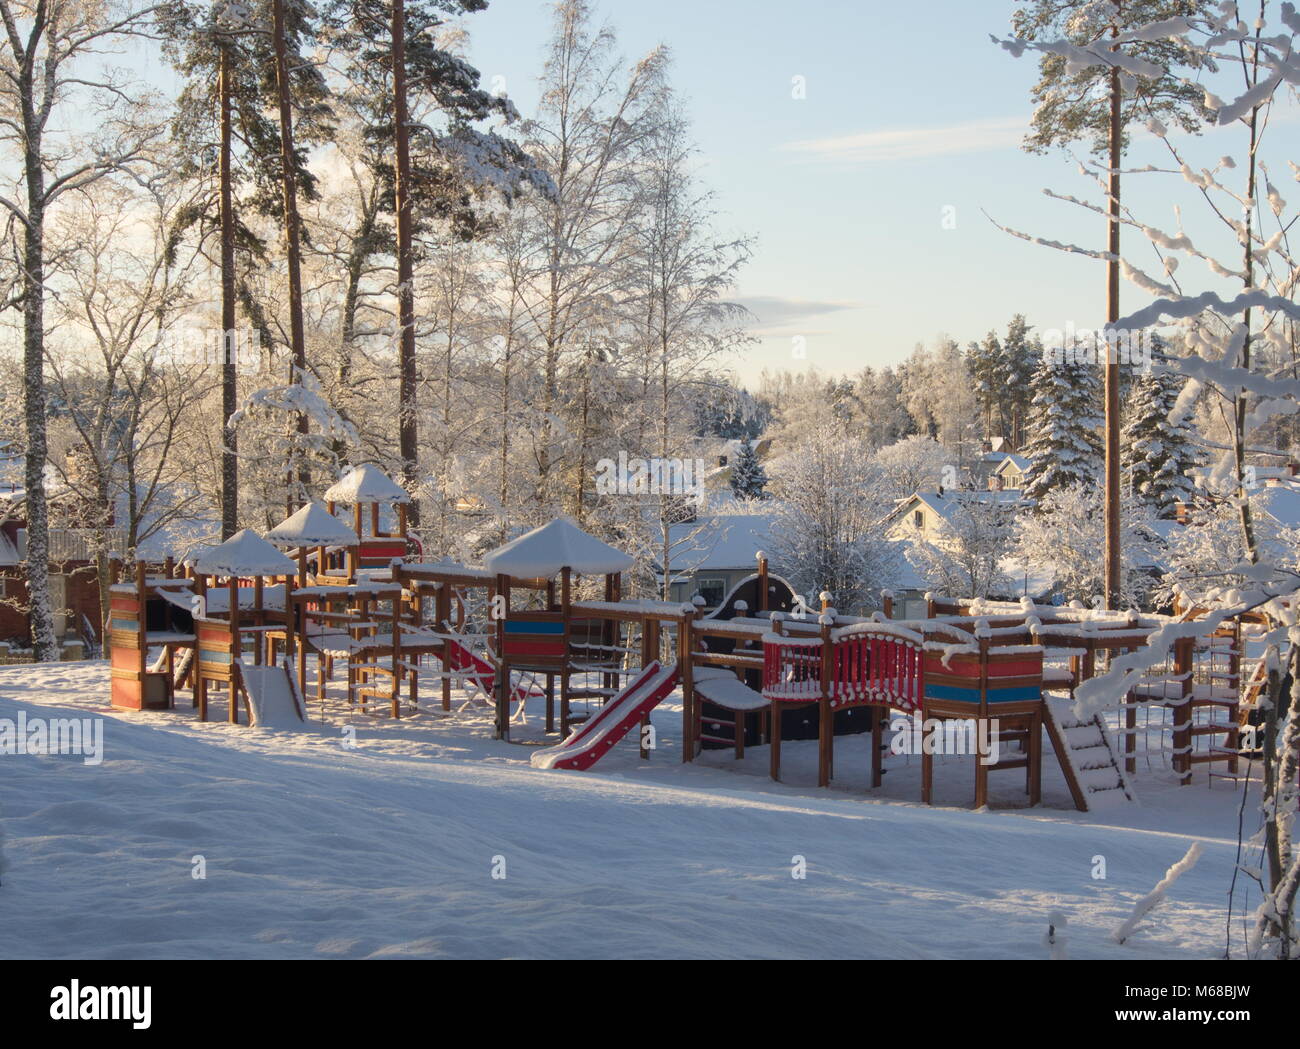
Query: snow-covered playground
[364, 837]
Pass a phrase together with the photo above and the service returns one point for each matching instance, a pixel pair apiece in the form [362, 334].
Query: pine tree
[418, 101]
[1158, 444]
[1020, 357]
[1064, 447]
[748, 478]
[984, 359]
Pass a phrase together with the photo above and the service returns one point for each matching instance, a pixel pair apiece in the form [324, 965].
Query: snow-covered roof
[1280, 502]
[1020, 462]
[945, 503]
[244, 554]
[720, 543]
[313, 525]
[543, 552]
[366, 484]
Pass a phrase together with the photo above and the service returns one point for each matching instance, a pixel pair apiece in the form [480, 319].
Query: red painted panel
[128, 695]
[1016, 668]
[534, 648]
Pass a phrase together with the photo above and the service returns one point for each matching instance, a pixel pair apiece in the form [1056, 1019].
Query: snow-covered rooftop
[1005, 459]
[1280, 502]
[724, 542]
[312, 525]
[366, 484]
[543, 552]
[244, 554]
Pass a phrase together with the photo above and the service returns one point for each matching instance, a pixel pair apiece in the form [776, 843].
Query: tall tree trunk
[229, 392]
[44, 643]
[292, 229]
[1112, 559]
[407, 421]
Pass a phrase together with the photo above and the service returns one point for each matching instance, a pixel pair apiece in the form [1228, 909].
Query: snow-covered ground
[388, 849]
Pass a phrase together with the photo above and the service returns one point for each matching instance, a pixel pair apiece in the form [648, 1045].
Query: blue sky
[909, 110]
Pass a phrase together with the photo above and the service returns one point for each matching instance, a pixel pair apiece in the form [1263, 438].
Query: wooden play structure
[544, 622]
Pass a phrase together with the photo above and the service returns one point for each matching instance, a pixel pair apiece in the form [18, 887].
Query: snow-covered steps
[1092, 770]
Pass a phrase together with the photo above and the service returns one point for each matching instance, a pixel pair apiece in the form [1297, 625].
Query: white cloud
[776, 315]
[883, 147]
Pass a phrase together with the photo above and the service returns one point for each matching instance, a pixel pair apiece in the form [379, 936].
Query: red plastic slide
[461, 660]
[594, 739]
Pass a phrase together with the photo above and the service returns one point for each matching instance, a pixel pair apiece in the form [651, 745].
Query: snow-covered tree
[1063, 537]
[1063, 444]
[748, 478]
[965, 556]
[1159, 443]
[914, 464]
[52, 73]
[824, 531]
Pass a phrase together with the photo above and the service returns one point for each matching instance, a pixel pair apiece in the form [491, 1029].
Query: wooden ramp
[1087, 758]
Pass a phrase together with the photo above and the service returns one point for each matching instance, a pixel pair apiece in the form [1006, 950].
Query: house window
[918, 519]
[713, 589]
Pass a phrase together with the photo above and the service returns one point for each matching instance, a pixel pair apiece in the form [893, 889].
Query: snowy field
[388, 849]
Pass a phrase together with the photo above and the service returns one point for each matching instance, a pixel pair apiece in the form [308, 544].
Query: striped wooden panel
[535, 640]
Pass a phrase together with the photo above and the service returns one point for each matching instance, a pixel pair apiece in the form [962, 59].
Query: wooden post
[774, 719]
[927, 761]
[825, 719]
[878, 715]
[354, 552]
[685, 661]
[397, 656]
[1184, 649]
[566, 597]
[1036, 756]
[442, 616]
[550, 677]
[259, 619]
[649, 653]
[981, 765]
[762, 582]
[502, 667]
[296, 638]
[236, 649]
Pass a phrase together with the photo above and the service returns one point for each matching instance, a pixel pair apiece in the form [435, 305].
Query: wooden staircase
[1092, 770]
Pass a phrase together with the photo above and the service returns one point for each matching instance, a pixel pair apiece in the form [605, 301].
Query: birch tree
[54, 74]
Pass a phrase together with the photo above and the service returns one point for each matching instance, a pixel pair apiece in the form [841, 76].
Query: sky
[873, 197]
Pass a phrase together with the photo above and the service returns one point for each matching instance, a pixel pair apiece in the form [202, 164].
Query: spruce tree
[1158, 444]
[748, 478]
[1064, 445]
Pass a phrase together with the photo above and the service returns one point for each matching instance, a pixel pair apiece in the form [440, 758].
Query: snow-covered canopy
[543, 552]
[244, 554]
[366, 484]
[313, 525]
